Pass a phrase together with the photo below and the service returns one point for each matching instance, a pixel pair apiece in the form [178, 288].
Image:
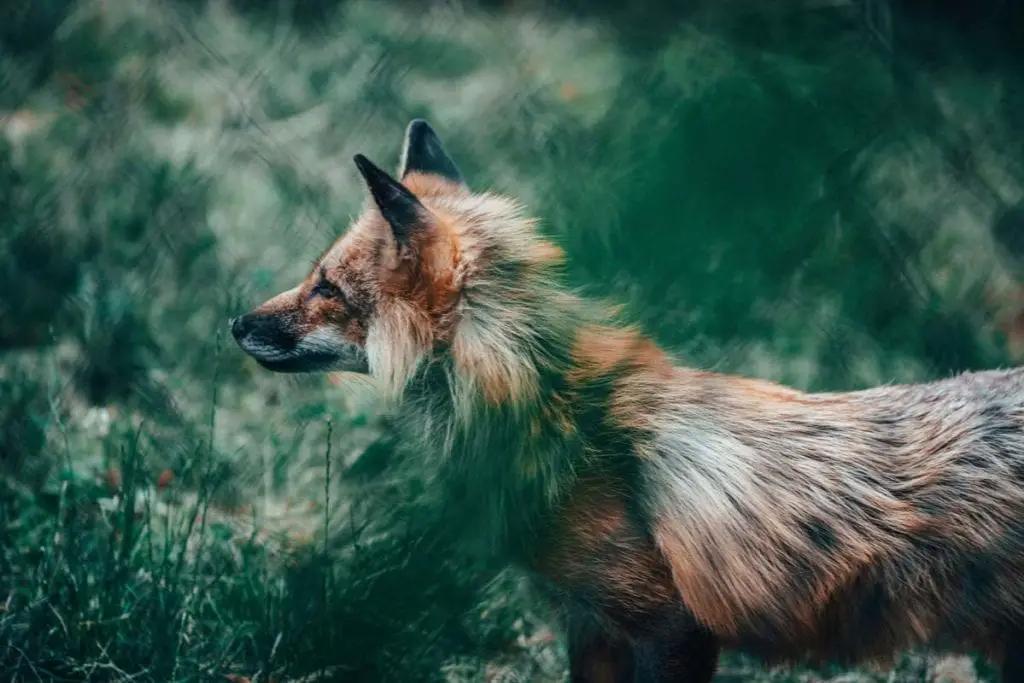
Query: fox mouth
[299, 361]
[277, 351]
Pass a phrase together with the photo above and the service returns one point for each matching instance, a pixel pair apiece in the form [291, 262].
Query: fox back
[668, 511]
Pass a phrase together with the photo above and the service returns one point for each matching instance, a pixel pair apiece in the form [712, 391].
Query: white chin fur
[323, 340]
[264, 352]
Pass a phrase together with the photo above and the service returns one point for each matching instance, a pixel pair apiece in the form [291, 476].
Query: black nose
[240, 326]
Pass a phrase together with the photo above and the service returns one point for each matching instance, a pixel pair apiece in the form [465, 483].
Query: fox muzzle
[272, 341]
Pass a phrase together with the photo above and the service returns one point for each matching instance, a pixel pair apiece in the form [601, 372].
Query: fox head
[430, 269]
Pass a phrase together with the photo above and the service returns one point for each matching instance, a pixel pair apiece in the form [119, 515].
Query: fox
[668, 513]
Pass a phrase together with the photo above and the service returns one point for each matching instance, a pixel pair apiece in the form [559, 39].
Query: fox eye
[328, 290]
[325, 288]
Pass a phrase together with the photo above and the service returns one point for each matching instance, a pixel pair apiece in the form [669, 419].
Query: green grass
[760, 200]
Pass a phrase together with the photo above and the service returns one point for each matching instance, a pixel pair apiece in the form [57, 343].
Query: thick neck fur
[492, 400]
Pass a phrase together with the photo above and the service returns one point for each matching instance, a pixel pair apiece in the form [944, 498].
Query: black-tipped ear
[424, 152]
[397, 204]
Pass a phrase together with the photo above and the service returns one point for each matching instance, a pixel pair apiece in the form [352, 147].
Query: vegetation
[769, 193]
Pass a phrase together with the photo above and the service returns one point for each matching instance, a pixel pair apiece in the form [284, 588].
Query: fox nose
[239, 326]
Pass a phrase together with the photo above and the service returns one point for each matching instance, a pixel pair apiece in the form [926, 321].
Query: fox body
[670, 512]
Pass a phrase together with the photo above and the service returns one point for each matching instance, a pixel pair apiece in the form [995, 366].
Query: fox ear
[400, 208]
[423, 152]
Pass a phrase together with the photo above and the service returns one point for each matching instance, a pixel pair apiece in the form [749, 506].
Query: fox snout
[279, 344]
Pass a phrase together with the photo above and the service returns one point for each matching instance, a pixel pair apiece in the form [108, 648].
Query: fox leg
[663, 656]
[597, 656]
[676, 654]
[1013, 662]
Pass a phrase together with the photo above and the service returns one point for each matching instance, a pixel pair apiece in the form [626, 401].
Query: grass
[764, 205]
[129, 576]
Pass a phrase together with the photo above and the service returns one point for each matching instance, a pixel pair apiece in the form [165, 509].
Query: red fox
[669, 512]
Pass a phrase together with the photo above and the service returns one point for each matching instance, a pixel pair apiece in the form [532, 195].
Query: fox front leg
[596, 656]
[665, 652]
[676, 656]
[1013, 659]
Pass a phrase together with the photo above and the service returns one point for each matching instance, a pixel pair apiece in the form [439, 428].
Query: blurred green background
[820, 193]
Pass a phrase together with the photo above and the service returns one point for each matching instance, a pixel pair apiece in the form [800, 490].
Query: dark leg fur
[598, 657]
[676, 655]
[668, 652]
[1013, 662]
